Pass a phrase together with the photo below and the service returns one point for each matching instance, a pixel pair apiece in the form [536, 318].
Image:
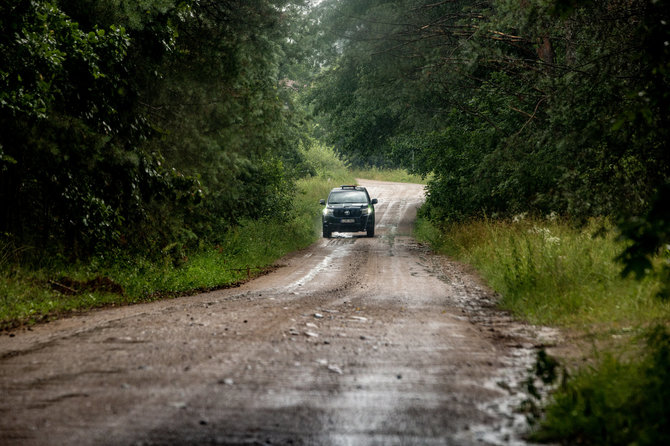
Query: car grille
[347, 212]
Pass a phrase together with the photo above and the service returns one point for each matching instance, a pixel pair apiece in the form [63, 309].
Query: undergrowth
[621, 401]
[549, 272]
[395, 175]
[33, 291]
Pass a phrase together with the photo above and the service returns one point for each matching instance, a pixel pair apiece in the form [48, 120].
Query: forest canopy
[143, 124]
[162, 122]
[514, 106]
[546, 107]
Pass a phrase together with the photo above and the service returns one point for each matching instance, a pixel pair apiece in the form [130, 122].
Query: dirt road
[354, 341]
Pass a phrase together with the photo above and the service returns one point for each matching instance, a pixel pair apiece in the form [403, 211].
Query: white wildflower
[519, 217]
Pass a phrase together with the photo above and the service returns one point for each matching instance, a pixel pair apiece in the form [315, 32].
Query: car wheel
[371, 231]
[326, 233]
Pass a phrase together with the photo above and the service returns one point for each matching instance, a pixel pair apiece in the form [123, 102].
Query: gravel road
[353, 341]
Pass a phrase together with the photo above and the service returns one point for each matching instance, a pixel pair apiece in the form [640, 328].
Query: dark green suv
[349, 209]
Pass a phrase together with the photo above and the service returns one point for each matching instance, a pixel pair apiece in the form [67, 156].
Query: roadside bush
[619, 402]
[321, 160]
[549, 272]
[395, 175]
[31, 292]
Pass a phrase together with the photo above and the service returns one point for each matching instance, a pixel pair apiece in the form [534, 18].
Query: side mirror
[322, 201]
[374, 201]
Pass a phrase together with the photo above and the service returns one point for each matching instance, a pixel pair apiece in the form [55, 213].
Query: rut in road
[353, 341]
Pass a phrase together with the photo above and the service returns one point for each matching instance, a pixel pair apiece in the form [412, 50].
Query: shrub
[619, 402]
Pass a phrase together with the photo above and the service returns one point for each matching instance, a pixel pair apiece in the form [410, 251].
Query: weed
[549, 272]
[53, 287]
[617, 402]
[395, 175]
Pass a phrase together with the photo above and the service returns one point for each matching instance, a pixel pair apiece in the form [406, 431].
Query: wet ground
[354, 341]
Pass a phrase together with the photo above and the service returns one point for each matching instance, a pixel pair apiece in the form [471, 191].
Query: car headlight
[365, 210]
[328, 212]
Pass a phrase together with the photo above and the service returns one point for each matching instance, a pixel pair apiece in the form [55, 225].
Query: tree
[511, 106]
[143, 124]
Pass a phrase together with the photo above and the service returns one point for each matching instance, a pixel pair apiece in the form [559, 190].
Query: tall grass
[30, 293]
[551, 273]
[395, 175]
[621, 401]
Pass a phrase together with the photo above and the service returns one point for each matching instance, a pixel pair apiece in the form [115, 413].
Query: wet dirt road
[354, 341]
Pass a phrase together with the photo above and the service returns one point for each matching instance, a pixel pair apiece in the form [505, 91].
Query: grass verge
[394, 175]
[29, 295]
[550, 273]
[617, 402]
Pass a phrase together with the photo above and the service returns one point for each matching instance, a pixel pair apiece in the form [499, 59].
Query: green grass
[548, 272]
[29, 293]
[394, 175]
[620, 401]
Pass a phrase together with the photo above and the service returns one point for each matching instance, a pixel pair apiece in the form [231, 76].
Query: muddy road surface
[354, 341]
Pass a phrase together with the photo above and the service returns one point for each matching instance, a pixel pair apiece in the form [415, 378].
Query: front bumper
[335, 224]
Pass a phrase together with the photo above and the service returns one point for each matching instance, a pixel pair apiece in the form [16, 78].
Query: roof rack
[348, 186]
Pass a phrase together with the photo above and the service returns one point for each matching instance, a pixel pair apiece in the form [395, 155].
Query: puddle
[338, 253]
[478, 304]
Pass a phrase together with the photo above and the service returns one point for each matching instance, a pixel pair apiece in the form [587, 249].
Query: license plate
[348, 220]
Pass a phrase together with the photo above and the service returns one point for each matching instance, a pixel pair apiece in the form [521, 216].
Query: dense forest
[515, 106]
[161, 123]
[143, 125]
[155, 147]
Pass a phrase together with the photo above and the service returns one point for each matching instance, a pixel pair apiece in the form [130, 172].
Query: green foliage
[551, 273]
[394, 175]
[649, 235]
[30, 294]
[44, 51]
[514, 106]
[363, 90]
[143, 126]
[618, 402]
[321, 161]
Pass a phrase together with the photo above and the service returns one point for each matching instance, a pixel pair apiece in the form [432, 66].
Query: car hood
[347, 205]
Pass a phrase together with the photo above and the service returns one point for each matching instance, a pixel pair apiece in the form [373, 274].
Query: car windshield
[347, 196]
